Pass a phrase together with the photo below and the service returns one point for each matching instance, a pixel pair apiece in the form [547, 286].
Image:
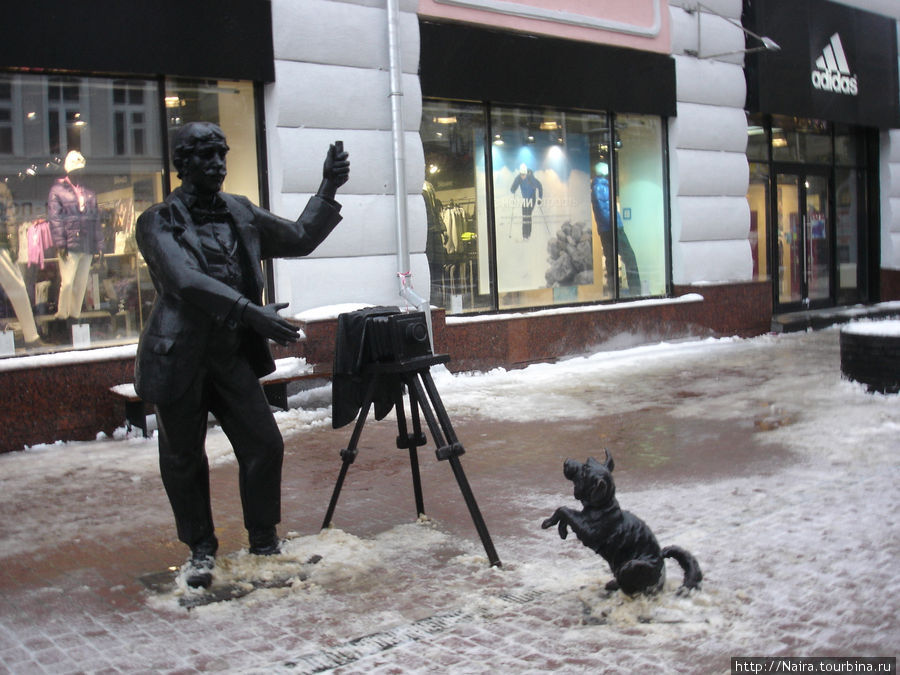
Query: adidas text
[837, 83]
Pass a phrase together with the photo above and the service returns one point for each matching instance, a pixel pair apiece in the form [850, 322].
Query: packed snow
[799, 549]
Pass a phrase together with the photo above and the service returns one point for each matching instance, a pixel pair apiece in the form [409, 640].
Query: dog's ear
[609, 464]
[600, 490]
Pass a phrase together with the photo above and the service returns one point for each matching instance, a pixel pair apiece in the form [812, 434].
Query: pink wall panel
[638, 24]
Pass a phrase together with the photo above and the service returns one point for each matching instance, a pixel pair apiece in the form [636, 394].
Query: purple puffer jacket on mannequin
[74, 223]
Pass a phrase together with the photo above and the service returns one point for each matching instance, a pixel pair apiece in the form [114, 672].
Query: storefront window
[758, 199]
[458, 243]
[641, 205]
[818, 254]
[758, 195]
[757, 139]
[230, 104]
[80, 159]
[533, 228]
[542, 172]
[796, 139]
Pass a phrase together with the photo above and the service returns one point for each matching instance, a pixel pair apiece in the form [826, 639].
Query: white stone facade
[707, 141]
[708, 168]
[332, 83]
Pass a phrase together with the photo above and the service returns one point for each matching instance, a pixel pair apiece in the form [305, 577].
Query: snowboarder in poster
[532, 194]
[600, 199]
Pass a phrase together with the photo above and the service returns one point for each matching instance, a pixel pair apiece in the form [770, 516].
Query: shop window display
[641, 204]
[458, 243]
[80, 159]
[559, 207]
[541, 169]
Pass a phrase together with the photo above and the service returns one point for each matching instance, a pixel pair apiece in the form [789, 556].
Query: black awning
[836, 63]
[468, 62]
[217, 39]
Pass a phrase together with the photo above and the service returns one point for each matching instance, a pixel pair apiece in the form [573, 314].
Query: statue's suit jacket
[191, 306]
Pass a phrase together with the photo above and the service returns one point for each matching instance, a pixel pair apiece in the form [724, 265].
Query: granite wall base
[890, 285]
[73, 402]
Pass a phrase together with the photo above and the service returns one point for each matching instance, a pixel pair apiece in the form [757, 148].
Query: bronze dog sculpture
[621, 538]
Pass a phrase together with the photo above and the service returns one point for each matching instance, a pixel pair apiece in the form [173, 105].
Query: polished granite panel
[73, 402]
[890, 285]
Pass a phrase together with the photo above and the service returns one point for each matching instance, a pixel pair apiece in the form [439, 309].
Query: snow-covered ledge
[581, 309]
[68, 358]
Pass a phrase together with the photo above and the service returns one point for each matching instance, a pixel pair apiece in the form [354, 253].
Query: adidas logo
[832, 72]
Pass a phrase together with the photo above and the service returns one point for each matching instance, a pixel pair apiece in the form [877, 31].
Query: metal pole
[397, 131]
[404, 274]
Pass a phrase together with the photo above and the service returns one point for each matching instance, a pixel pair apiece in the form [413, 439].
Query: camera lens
[417, 332]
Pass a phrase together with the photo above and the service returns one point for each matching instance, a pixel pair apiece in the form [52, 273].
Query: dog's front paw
[559, 516]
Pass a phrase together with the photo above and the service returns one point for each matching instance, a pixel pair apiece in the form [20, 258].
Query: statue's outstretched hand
[337, 165]
[266, 321]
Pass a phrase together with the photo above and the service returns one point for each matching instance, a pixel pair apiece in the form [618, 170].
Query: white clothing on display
[14, 287]
[74, 270]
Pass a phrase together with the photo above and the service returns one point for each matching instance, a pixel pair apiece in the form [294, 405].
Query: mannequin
[10, 275]
[76, 230]
[600, 205]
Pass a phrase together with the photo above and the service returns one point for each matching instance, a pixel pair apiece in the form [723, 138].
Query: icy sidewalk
[753, 454]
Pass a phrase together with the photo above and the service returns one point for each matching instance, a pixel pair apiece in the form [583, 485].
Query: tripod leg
[474, 511]
[413, 456]
[412, 443]
[451, 452]
[348, 455]
[439, 409]
[334, 495]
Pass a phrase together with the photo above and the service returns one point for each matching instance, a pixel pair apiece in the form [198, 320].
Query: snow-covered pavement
[755, 455]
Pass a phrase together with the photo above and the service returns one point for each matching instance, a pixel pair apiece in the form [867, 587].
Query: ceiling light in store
[498, 139]
[174, 102]
[433, 169]
[549, 125]
[444, 120]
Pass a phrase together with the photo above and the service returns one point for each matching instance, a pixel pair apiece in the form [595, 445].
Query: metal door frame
[803, 171]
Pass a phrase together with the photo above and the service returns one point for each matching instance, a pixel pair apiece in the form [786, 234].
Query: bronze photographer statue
[204, 346]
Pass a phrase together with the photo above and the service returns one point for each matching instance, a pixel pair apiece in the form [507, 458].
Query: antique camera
[397, 337]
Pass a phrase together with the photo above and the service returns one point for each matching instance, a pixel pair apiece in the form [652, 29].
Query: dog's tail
[692, 574]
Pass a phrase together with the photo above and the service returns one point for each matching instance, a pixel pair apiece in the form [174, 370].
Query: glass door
[804, 241]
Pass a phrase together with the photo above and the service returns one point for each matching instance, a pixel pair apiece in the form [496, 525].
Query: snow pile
[883, 328]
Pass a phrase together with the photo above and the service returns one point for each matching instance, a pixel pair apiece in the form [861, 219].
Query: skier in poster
[532, 195]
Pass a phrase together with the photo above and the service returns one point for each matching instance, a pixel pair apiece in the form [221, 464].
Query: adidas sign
[832, 72]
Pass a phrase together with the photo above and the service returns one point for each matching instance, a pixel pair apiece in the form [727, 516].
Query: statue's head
[198, 153]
